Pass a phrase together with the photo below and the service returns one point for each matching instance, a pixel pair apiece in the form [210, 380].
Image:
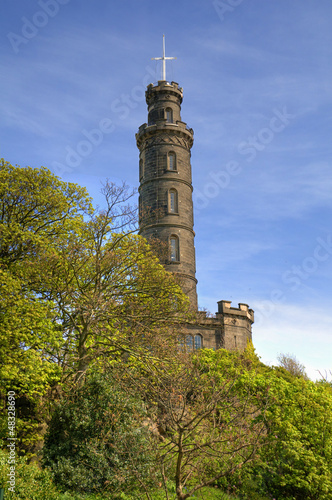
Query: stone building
[166, 212]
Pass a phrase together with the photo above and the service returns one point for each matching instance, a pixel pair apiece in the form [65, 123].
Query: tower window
[173, 201]
[198, 342]
[169, 115]
[171, 161]
[174, 244]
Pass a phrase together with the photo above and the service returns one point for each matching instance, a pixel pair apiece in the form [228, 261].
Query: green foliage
[300, 428]
[76, 287]
[27, 336]
[79, 290]
[37, 210]
[296, 461]
[97, 440]
[116, 298]
[208, 429]
[31, 483]
[208, 493]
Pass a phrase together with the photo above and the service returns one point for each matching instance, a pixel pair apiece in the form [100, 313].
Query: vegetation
[108, 405]
[97, 440]
[208, 428]
[291, 364]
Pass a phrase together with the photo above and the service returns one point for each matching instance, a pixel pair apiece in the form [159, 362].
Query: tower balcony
[179, 128]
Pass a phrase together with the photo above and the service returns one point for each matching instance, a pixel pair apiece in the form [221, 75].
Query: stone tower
[165, 202]
[166, 212]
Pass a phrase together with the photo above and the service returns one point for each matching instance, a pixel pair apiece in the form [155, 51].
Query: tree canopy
[91, 343]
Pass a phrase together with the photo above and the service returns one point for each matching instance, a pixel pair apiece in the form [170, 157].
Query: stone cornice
[179, 129]
[166, 178]
[166, 224]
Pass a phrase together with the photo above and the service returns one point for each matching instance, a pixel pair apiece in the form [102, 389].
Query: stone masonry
[165, 171]
[166, 213]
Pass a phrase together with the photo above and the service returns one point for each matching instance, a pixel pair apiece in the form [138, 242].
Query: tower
[165, 202]
[166, 212]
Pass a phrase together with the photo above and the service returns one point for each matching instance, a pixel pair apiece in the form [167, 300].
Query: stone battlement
[163, 84]
[229, 329]
[224, 307]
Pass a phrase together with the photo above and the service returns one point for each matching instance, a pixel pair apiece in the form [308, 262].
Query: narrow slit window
[174, 249]
[140, 208]
[141, 169]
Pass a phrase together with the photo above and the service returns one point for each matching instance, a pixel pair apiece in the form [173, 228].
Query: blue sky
[257, 87]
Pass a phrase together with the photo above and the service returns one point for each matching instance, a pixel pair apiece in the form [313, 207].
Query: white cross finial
[163, 59]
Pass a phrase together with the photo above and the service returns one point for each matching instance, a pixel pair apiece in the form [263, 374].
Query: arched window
[173, 201]
[171, 161]
[174, 244]
[169, 115]
[198, 341]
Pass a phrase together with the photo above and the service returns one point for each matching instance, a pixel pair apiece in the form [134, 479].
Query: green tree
[300, 426]
[78, 287]
[297, 461]
[208, 419]
[98, 440]
[27, 334]
[111, 293]
[38, 212]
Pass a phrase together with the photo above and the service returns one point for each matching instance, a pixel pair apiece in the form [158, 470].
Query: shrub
[31, 483]
[97, 440]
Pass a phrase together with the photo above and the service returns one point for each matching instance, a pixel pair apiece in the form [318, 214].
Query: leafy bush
[296, 461]
[31, 483]
[97, 440]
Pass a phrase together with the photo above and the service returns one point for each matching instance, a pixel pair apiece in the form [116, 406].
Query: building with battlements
[166, 212]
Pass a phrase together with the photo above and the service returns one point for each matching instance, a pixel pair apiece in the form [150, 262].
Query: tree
[296, 463]
[97, 440]
[209, 427]
[101, 285]
[77, 284]
[37, 210]
[27, 335]
[300, 426]
[292, 365]
[111, 293]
